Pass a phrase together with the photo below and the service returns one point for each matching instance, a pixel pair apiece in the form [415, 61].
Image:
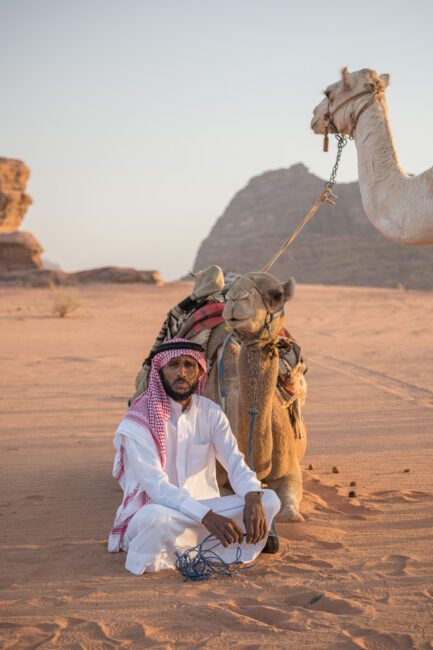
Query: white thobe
[182, 494]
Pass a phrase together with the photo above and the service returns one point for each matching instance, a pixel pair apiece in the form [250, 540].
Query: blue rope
[200, 563]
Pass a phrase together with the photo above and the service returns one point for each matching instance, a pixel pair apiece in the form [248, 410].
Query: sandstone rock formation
[13, 199]
[36, 278]
[339, 246]
[117, 275]
[108, 275]
[19, 251]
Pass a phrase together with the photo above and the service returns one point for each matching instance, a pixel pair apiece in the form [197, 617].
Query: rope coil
[199, 563]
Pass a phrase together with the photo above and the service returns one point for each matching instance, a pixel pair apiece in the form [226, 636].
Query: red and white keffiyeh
[151, 410]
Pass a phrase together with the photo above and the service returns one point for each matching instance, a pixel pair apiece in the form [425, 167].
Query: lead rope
[199, 563]
[326, 196]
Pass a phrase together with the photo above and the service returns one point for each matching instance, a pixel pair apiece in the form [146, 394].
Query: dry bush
[65, 301]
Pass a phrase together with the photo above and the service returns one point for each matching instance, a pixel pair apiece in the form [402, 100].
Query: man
[166, 446]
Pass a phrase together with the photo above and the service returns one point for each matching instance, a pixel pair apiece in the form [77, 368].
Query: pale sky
[140, 119]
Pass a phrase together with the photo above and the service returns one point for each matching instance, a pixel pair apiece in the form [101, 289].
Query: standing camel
[398, 205]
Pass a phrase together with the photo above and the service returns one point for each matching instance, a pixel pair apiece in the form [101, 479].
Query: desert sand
[357, 573]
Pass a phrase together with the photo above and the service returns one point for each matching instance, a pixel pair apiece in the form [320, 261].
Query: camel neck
[398, 205]
[377, 156]
[258, 373]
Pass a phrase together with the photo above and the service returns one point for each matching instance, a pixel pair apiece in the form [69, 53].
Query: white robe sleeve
[241, 477]
[145, 464]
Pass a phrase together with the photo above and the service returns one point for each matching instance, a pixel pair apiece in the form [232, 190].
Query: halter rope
[330, 116]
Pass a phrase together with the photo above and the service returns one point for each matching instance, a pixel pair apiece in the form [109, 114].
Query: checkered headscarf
[152, 408]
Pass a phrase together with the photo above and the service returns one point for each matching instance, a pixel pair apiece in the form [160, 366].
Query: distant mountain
[338, 246]
[51, 266]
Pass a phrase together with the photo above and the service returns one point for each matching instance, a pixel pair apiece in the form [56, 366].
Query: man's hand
[223, 528]
[254, 518]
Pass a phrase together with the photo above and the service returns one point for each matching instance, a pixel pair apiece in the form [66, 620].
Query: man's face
[180, 377]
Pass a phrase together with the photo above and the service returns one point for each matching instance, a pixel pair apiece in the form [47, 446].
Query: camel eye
[276, 295]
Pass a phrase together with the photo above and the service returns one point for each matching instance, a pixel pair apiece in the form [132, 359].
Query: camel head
[328, 115]
[254, 304]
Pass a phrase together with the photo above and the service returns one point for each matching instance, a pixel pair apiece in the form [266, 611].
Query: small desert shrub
[65, 301]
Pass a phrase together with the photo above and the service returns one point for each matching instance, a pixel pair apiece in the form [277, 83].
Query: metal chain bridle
[342, 141]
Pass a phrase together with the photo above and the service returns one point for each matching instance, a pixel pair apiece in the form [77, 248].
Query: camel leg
[289, 491]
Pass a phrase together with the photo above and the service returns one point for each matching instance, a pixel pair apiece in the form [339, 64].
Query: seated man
[165, 463]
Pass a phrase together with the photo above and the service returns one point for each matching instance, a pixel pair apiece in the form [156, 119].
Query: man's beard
[178, 396]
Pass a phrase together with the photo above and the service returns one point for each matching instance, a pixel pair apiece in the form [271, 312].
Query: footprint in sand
[326, 499]
[310, 560]
[17, 635]
[304, 537]
[372, 640]
[34, 497]
[393, 565]
[248, 611]
[79, 633]
[326, 602]
[400, 496]
[303, 564]
[132, 634]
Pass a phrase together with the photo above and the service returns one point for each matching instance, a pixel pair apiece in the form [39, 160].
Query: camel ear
[386, 79]
[347, 85]
[289, 289]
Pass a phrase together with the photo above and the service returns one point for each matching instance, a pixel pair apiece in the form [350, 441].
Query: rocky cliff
[13, 199]
[339, 245]
[107, 275]
[19, 251]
